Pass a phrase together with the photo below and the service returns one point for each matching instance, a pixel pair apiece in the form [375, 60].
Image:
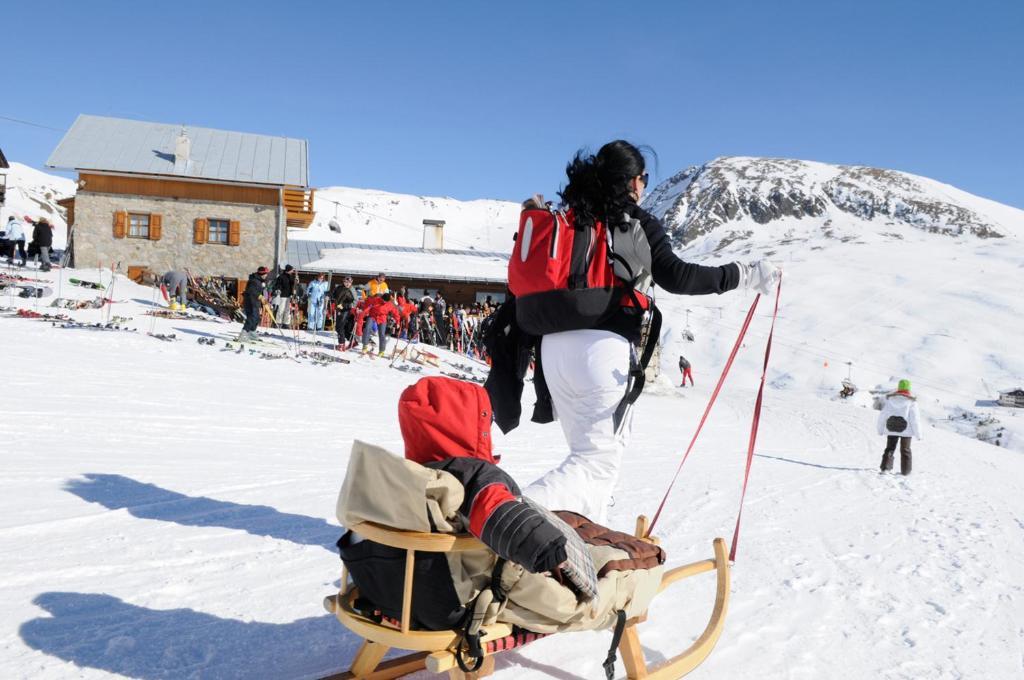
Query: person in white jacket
[900, 423]
[16, 237]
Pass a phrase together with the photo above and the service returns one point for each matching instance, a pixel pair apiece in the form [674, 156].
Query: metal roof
[363, 259]
[137, 147]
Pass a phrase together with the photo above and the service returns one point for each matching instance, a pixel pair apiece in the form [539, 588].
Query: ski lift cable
[31, 124]
[410, 227]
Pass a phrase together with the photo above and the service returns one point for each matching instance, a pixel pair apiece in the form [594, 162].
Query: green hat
[904, 386]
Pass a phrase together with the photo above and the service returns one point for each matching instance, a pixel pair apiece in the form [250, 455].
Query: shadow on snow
[100, 631]
[148, 501]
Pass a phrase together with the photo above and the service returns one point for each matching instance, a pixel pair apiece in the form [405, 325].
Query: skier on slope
[588, 371]
[686, 369]
[252, 301]
[900, 422]
[316, 294]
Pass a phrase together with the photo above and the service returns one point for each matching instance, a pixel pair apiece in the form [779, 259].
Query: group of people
[13, 238]
[365, 314]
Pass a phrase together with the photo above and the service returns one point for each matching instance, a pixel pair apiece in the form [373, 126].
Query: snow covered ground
[166, 507]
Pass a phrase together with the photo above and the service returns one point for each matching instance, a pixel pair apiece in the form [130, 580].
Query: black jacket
[344, 298]
[683, 364]
[511, 350]
[254, 290]
[42, 235]
[513, 529]
[672, 274]
[284, 285]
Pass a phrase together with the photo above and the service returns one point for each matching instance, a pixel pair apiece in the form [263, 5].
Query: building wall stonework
[94, 240]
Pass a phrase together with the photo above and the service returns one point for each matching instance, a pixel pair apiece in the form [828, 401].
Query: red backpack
[563, 277]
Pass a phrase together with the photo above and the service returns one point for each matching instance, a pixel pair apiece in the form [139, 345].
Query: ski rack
[435, 650]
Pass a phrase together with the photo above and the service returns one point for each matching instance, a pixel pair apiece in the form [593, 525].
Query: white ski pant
[586, 372]
[282, 310]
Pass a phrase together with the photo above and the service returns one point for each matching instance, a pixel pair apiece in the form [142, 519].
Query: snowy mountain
[35, 193]
[736, 197]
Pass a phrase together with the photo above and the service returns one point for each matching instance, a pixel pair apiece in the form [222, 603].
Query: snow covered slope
[35, 193]
[899, 275]
[166, 508]
[379, 217]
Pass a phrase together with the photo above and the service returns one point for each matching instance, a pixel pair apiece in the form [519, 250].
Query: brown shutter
[156, 226]
[234, 233]
[120, 224]
[202, 231]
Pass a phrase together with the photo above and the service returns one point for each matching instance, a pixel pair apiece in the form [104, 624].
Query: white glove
[762, 276]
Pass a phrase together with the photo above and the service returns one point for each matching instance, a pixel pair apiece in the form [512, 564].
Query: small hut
[1013, 397]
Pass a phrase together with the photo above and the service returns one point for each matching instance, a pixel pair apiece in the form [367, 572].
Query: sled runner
[436, 651]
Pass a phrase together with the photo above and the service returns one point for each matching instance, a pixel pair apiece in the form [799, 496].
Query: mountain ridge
[746, 193]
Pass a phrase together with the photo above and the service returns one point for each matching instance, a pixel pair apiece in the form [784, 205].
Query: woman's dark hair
[599, 184]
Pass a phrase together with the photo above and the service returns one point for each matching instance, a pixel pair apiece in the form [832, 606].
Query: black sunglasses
[643, 178]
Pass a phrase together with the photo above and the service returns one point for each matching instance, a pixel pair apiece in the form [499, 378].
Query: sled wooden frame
[433, 650]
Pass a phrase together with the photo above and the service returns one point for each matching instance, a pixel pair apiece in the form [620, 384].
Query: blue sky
[489, 100]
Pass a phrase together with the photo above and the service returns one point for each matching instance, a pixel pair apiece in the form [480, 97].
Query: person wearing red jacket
[376, 310]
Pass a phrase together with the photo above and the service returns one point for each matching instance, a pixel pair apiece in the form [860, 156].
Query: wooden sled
[422, 356]
[434, 650]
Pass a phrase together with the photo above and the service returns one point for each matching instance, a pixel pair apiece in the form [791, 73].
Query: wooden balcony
[298, 204]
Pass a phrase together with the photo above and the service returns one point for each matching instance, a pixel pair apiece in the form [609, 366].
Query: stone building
[156, 197]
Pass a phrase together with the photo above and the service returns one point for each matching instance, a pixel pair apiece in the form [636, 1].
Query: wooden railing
[298, 204]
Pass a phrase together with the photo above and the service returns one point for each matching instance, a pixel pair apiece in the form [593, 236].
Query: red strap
[707, 410]
[753, 426]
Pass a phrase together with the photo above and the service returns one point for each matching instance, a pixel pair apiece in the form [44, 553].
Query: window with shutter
[156, 226]
[120, 224]
[218, 231]
[138, 225]
[201, 231]
[234, 232]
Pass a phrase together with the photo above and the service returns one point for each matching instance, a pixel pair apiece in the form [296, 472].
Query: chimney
[182, 152]
[433, 234]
